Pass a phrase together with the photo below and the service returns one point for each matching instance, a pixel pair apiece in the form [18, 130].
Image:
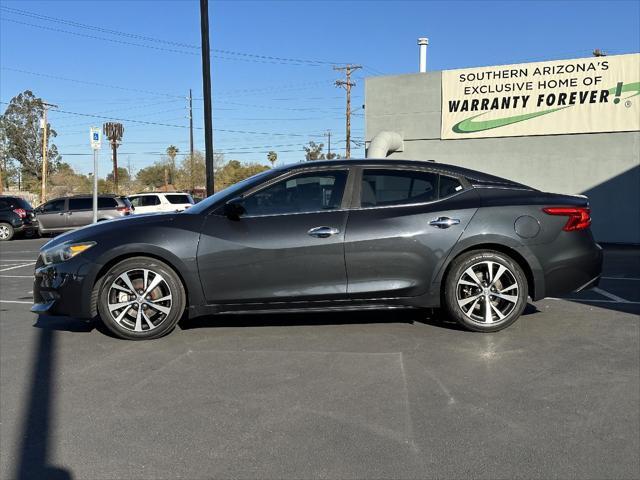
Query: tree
[66, 181]
[172, 152]
[234, 172]
[313, 151]
[124, 182]
[191, 174]
[151, 177]
[8, 169]
[272, 157]
[21, 126]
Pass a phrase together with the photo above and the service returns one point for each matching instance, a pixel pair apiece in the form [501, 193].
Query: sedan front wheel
[141, 298]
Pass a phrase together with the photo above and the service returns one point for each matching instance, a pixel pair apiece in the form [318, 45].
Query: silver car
[66, 213]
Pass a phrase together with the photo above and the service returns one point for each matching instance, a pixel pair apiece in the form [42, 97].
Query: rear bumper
[575, 269]
[64, 288]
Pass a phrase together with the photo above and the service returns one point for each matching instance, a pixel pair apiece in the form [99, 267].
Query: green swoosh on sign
[628, 87]
[469, 126]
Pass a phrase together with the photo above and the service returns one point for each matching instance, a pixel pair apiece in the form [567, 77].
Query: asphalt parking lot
[370, 395]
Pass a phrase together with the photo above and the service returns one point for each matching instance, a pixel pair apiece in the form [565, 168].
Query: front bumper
[64, 288]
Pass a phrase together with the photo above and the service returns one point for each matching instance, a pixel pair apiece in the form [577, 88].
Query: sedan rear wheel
[485, 291]
[141, 298]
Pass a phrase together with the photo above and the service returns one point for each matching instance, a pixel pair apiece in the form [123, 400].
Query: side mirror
[233, 209]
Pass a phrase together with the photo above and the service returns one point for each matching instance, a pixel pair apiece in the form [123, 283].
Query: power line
[144, 122]
[218, 53]
[95, 84]
[228, 93]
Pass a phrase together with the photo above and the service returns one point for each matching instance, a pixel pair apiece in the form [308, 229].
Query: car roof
[102, 195]
[474, 176]
[158, 193]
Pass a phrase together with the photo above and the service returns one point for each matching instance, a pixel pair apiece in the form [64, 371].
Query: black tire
[505, 297]
[170, 285]
[6, 232]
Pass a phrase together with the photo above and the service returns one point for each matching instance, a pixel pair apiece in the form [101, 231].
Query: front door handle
[323, 232]
[444, 222]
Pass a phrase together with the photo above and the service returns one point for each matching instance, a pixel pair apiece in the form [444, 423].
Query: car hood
[94, 231]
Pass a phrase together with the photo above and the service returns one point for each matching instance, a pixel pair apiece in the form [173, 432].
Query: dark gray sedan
[321, 236]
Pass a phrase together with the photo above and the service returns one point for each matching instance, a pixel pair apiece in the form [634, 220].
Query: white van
[160, 202]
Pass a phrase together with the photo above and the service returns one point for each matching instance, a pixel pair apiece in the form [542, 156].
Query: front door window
[307, 192]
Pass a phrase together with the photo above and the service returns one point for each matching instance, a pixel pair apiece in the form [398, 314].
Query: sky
[272, 63]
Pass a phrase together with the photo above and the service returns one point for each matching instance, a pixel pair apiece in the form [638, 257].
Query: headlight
[64, 252]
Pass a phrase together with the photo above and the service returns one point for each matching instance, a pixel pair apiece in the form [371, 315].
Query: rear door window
[384, 187]
[145, 201]
[80, 204]
[397, 187]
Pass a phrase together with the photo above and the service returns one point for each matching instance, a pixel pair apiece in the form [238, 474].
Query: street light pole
[206, 85]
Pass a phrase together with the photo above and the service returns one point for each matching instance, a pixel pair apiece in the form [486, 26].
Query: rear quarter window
[177, 199]
[107, 202]
[448, 186]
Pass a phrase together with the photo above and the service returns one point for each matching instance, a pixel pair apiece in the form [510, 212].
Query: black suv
[16, 216]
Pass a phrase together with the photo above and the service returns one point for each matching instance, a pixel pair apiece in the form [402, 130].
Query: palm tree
[272, 157]
[172, 151]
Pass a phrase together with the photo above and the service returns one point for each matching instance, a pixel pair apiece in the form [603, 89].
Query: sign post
[96, 141]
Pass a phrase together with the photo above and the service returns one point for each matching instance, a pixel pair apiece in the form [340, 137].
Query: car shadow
[432, 317]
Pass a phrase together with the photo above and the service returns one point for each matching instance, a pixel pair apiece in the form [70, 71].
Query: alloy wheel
[139, 300]
[4, 232]
[487, 292]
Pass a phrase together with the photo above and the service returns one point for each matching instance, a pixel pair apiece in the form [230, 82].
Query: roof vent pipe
[423, 42]
[385, 143]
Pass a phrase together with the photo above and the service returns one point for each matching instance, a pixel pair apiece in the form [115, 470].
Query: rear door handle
[444, 222]
[323, 232]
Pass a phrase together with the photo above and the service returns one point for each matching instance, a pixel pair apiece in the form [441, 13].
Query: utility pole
[347, 84]
[328, 135]
[45, 131]
[193, 186]
[206, 85]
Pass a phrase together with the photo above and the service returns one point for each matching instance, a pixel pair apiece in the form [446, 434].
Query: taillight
[579, 217]
[126, 210]
[21, 212]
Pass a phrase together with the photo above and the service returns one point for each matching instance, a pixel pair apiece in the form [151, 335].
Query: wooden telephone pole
[45, 148]
[347, 84]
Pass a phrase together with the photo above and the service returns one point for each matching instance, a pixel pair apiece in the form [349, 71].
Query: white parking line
[16, 301]
[591, 300]
[16, 276]
[610, 296]
[17, 266]
[621, 278]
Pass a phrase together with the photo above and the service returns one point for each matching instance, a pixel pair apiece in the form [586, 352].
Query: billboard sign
[586, 95]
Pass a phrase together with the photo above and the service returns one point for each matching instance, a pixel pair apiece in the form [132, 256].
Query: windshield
[232, 191]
